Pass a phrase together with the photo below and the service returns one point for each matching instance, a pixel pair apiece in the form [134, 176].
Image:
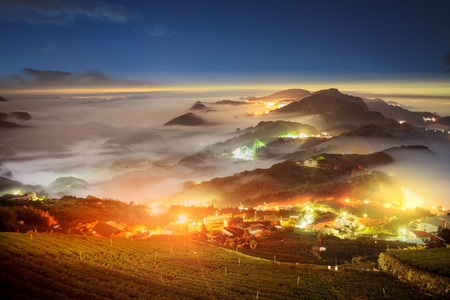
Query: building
[424, 236]
[346, 222]
[108, 229]
[232, 231]
[256, 229]
[215, 222]
[233, 221]
[431, 224]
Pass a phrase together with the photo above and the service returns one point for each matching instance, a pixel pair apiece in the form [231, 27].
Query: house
[325, 222]
[424, 236]
[256, 229]
[431, 224]
[233, 221]
[108, 230]
[346, 221]
[232, 231]
[215, 221]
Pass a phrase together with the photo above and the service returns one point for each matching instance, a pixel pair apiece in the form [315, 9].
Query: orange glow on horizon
[383, 87]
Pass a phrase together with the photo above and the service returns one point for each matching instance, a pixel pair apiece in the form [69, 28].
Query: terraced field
[45, 266]
[432, 260]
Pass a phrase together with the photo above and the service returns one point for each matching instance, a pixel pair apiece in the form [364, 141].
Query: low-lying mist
[119, 146]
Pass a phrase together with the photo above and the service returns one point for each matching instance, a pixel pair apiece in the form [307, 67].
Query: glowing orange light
[156, 209]
[181, 219]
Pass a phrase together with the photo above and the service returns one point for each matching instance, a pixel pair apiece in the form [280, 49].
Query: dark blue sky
[202, 40]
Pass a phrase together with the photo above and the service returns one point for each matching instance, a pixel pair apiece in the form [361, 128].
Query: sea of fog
[118, 142]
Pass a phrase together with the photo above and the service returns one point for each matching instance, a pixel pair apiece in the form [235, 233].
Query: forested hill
[320, 177]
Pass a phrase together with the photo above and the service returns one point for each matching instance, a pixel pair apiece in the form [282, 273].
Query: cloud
[159, 31]
[51, 78]
[62, 12]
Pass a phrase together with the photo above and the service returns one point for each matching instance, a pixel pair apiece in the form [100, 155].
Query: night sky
[145, 43]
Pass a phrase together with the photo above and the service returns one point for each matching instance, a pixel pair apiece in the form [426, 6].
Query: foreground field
[44, 266]
[296, 247]
[431, 260]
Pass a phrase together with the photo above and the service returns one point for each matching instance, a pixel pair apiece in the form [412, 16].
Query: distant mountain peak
[290, 94]
[188, 119]
[198, 106]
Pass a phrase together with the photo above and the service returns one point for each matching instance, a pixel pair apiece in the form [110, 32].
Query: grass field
[295, 247]
[45, 266]
[432, 260]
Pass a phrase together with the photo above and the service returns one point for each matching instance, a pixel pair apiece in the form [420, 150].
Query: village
[237, 227]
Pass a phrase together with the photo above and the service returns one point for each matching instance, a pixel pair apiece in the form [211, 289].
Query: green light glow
[247, 153]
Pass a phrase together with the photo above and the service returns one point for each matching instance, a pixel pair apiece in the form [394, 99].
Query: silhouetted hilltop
[21, 115]
[199, 158]
[8, 186]
[291, 94]
[325, 101]
[198, 106]
[3, 99]
[266, 131]
[336, 108]
[188, 119]
[131, 135]
[385, 130]
[398, 113]
[66, 185]
[289, 180]
[231, 102]
[444, 121]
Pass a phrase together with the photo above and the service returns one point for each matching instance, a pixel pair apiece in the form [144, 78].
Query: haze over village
[186, 141]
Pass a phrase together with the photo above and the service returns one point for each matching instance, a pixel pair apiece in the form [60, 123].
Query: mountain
[7, 124]
[199, 159]
[198, 106]
[386, 130]
[130, 135]
[66, 186]
[188, 119]
[266, 131]
[231, 102]
[8, 186]
[334, 176]
[21, 115]
[398, 113]
[336, 108]
[444, 121]
[3, 99]
[291, 94]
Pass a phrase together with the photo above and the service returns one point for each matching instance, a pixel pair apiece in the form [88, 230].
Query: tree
[253, 244]
[7, 219]
[321, 238]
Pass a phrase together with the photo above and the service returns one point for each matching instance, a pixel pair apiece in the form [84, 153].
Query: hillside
[81, 267]
[9, 186]
[398, 113]
[188, 119]
[290, 94]
[336, 108]
[326, 176]
[198, 106]
[266, 131]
